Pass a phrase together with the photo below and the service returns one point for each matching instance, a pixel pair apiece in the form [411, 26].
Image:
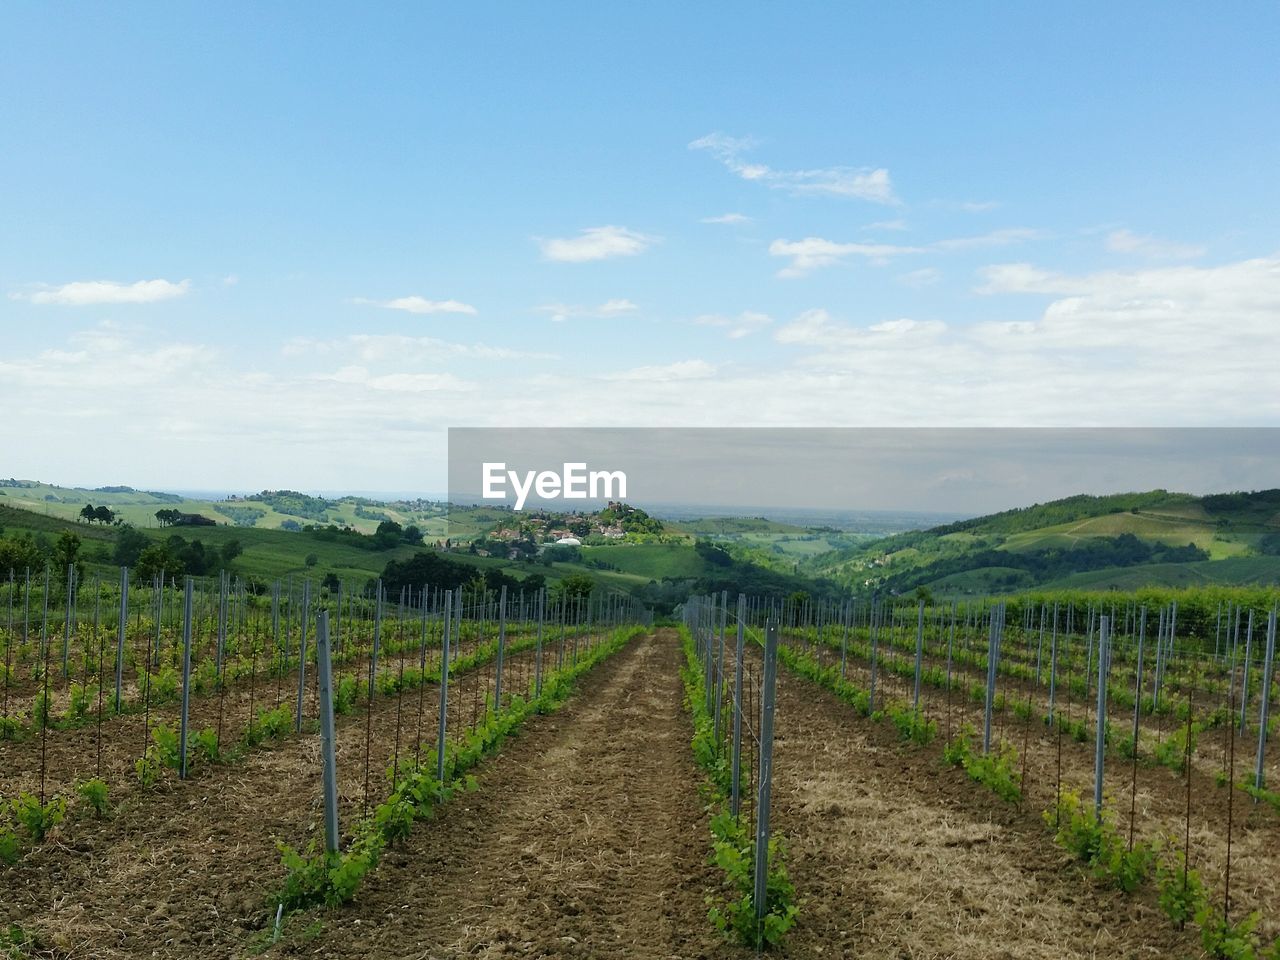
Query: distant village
[537, 531]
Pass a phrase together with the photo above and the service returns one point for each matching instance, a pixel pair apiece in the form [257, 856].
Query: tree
[168, 516]
[425, 568]
[154, 560]
[66, 553]
[129, 546]
[575, 587]
[192, 557]
[312, 559]
[104, 514]
[388, 534]
[88, 513]
[20, 553]
[412, 535]
[230, 550]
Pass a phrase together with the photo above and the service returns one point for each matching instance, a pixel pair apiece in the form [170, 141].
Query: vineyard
[212, 767]
[1134, 747]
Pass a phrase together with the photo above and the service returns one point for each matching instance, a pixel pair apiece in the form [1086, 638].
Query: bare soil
[585, 840]
[897, 856]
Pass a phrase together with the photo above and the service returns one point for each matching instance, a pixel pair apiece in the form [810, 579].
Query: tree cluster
[91, 514]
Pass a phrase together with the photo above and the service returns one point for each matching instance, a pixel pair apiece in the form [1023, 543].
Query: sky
[248, 246]
[962, 471]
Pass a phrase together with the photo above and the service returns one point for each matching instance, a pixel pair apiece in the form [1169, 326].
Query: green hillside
[660, 573]
[268, 510]
[1122, 541]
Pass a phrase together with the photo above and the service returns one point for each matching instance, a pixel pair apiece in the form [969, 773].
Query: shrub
[733, 850]
[912, 725]
[1096, 841]
[1179, 890]
[203, 745]
[37, 818]
[78, 704]
[94, 793]
[164, 685]
[1224, 940]
[344, 695]
[10, 847]
[994, 771]
[1172, 753]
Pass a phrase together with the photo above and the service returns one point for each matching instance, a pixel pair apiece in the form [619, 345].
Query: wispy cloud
[1153, 248]
[388, 348]
[817, 328]
[897, 224]
[1196, 345]
[666, 373]
[1251, 288]
[744, 324]
[924, 277]
[560, 312]
[420, 305]
[727, 218]
[82, 293]
[862, 183]
[994, 238]
[399, 382]
[811, 253]
[595, 243]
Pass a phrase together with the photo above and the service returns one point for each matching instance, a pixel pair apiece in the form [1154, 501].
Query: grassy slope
[271, 554]
[139, 508]
[1232, 571]
[1228, 536]
[1175, 528]
[649, 561]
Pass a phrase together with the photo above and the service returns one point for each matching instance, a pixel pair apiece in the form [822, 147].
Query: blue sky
[288, 245]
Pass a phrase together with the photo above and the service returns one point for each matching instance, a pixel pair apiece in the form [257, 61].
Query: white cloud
[924, 277]
[1153, 248]
[399, 382]
[678, 371]
[727, 218]
[994, 238]
[862, 183]
[387, 348]
[560, 312]
[595, 243]
[812, 253]
[817, 328]
[81, 293]
[1186, 312]
[744, 324]
[420, 305]
[1177, 345]
[1016, 278]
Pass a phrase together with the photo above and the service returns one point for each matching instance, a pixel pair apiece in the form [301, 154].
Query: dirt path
[898, 856]
[586, 839]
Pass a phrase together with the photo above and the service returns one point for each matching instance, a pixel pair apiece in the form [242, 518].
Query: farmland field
[605, 783]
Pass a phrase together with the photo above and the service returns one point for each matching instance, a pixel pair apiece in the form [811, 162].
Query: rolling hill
[1122, 542]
